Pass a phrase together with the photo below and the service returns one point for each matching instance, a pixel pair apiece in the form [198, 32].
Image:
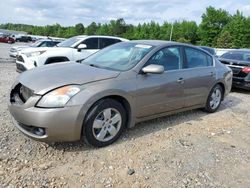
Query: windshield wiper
[93, 65]
[80, 60]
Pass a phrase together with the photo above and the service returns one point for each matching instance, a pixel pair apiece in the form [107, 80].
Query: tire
[99, 129]
[214, 99]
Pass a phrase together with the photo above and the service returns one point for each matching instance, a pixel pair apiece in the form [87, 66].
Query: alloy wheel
[107, 124]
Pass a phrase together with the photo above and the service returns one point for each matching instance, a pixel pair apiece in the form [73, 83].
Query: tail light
[246, 69]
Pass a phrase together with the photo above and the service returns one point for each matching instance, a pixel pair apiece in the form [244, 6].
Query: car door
[159, 93]
[198, 76]
[92, 47]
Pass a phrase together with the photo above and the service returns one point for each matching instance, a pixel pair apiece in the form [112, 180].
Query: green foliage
[217, 29]
[225, 40]
[213, 22]
[239, 30]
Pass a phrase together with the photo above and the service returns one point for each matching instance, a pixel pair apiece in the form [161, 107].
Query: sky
[71, 12]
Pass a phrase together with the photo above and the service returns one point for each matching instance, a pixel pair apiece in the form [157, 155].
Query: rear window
[241, 56]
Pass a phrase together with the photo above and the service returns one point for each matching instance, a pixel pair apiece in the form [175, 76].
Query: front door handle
[180, 81]
[212, 74]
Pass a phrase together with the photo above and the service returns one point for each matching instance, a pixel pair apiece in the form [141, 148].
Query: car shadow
[238, 90]
[151, 126]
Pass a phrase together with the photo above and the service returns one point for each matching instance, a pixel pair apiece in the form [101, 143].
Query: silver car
[115, 88]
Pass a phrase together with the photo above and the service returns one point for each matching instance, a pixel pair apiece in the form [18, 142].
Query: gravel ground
[190, 149]
[5, 48]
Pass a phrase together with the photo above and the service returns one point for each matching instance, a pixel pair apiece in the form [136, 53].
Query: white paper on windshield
[143, 46]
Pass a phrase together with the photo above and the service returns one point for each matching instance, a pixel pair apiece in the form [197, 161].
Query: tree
[239, 29]
[91, 29]
[183, 40]
[225, 40]
[213, 22]
[79, 28]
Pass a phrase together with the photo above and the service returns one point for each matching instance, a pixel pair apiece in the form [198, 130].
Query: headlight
[32, 54]
[58, 97]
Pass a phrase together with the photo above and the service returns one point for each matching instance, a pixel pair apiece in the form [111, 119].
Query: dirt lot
[5, 48]
[191, 149]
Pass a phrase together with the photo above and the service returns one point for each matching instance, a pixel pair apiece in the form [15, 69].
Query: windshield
[69, 42]
[120, 57]
[237, 55]
[36, 44]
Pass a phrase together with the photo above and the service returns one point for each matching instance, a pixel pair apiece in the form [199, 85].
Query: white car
[72, 49]
[39, 43]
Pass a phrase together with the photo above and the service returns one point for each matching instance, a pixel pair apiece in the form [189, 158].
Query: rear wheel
[104, 123]
[214, 99]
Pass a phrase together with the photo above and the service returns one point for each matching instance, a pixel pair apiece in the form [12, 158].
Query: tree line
[218, 28]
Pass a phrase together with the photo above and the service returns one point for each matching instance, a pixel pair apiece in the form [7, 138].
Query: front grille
[20, 94]
[20, 58]
[20, 67]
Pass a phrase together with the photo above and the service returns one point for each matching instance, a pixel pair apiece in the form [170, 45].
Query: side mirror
[153, 69]
[81, 46]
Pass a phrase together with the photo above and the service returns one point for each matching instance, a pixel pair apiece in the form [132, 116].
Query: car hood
[29, 50]
[19, 47]
[49, 77]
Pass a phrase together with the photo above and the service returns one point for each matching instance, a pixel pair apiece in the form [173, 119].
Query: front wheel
[104, 123]
[214, 99]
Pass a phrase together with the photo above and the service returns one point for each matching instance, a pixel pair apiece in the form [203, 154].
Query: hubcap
[107, 124]
[215, 99]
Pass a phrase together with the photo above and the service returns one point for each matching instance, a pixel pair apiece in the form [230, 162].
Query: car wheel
[214, 99]
[104, 123]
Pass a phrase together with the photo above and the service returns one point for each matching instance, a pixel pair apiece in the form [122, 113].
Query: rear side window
[91, 43]
[196, 58]
[104, 42]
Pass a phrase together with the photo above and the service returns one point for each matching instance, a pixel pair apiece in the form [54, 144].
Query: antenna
[171, 32]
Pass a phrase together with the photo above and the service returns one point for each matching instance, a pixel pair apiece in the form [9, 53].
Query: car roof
[102, 36]
[206, 47]
[162, 43]
[239, 50]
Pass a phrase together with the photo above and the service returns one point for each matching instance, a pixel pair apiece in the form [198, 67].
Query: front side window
[104, 42]
[91, 43]
[170, 58]
[196, 58]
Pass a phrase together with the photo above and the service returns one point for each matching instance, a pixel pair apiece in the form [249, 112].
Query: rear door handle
[180, 81]
[212, 73]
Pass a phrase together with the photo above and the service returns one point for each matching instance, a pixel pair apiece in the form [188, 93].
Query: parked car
[209, 50]
[6, 39]
[115, 88]
[40, 43]
[239, 62]
[23, 39]
[221, 51]
[72, 49]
